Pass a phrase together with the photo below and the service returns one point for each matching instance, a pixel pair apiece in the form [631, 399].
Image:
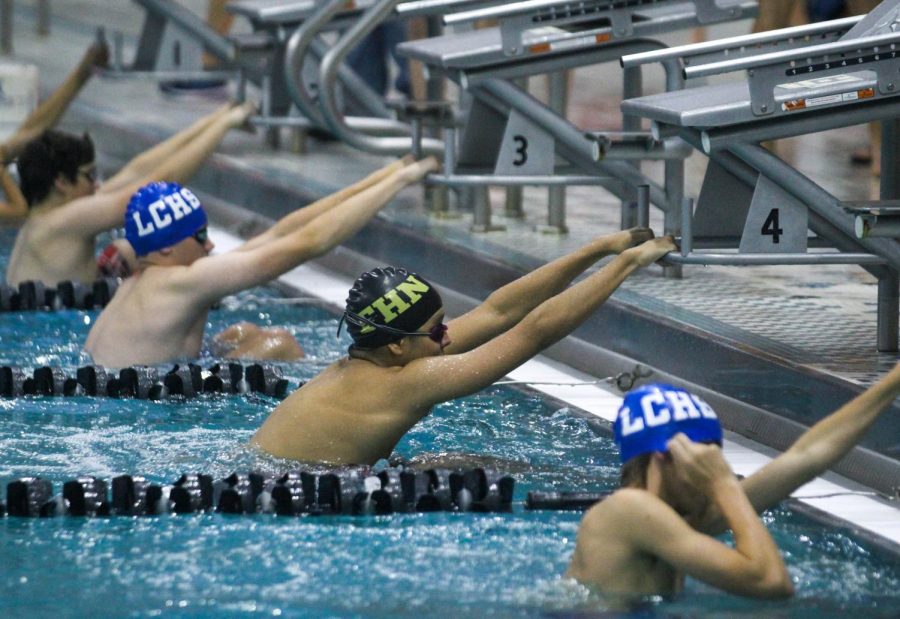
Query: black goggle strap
[362, 321]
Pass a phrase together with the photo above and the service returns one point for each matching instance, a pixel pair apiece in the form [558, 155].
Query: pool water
[445, 565]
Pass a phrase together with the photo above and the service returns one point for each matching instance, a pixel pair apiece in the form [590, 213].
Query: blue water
[445, 565]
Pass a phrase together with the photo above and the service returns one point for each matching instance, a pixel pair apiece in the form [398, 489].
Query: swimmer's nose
[209, 246]
[446, 341]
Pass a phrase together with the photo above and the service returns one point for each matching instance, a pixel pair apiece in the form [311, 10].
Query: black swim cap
[395, 298]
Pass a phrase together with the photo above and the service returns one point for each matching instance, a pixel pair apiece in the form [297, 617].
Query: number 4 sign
[776, 223]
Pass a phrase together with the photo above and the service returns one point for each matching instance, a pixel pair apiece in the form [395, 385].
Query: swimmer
[68, 207]
[404, 358]
[161, 310]
[678, 491]
[44, 116]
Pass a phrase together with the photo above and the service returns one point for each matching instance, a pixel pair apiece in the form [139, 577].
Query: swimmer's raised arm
[91, 215]
[817, 449]
[179, 157]
[465, 373]
[213, 277]
[508, 305]
[637, 522]
[49, 111]
[304, 215]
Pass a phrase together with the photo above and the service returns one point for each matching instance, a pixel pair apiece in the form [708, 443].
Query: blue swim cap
[160, 215]
[653, 414]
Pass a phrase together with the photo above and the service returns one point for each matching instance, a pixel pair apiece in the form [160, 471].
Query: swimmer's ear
[395, 348]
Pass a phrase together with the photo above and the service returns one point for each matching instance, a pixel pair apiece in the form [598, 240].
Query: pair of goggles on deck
[435, 333]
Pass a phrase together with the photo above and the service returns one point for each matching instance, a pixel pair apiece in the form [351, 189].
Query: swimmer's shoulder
[622, 505]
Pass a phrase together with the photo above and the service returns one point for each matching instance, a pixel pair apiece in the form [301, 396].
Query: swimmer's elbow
[775, 585]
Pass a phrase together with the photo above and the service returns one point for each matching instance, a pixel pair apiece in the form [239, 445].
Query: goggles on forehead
[435, 333]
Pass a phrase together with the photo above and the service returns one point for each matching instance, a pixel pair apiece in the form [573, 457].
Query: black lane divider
[355, 491]
[564, 501]
[31, 295]
[144, 382]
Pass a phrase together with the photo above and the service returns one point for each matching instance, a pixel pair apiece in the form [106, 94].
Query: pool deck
[755, 353]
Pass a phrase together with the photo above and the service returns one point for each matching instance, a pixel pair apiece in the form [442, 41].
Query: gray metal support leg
[632, 87]
[6, 29]
[889, 287]
[672, 224]
[513, 207]
[481, 204]
[43, 18]
[556, 195]
[888, 311]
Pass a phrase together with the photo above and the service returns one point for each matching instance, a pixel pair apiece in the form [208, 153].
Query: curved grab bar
[335, 121]
[299, 44]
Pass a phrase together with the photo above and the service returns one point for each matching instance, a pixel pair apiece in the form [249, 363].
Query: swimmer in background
[68, 207]
[404, 360]
[177, 281]
[246, 340]
[44, 116]
[678, 491]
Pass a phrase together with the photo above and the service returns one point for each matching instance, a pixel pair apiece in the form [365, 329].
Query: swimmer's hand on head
[699, 466]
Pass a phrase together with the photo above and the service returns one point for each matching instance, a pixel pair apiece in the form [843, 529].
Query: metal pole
[6, 30]
[889, 287]
[556, 195]
[632, 87]
[687, 226]
[643, 206]
[43, 18]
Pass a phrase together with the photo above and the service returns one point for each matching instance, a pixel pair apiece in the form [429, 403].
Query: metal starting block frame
[171, 46]
[510, 138]
[798, 81]
[173, 39]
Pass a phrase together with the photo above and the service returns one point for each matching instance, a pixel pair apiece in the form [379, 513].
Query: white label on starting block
[826, 100]
[18, 95]
[818, 82]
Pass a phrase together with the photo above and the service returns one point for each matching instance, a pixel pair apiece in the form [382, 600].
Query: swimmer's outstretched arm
[49, 111]
[466, 373]
[146, 164]
[211, 278]
[104, 211]
[508, 305]
[817, 449]
[299, 218]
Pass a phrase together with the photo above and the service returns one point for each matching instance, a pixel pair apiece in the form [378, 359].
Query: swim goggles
[435, 333]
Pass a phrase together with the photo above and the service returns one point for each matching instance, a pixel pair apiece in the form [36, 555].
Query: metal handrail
[437, 7]
[721, 45]
[334, 119]
[299, 44]
[786, 56]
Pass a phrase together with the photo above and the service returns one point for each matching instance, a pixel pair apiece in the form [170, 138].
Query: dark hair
[49, 155]
[634, 472]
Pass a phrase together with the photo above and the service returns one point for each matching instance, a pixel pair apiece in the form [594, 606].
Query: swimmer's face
[87, 179]
[427, 346]
[191, 249]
